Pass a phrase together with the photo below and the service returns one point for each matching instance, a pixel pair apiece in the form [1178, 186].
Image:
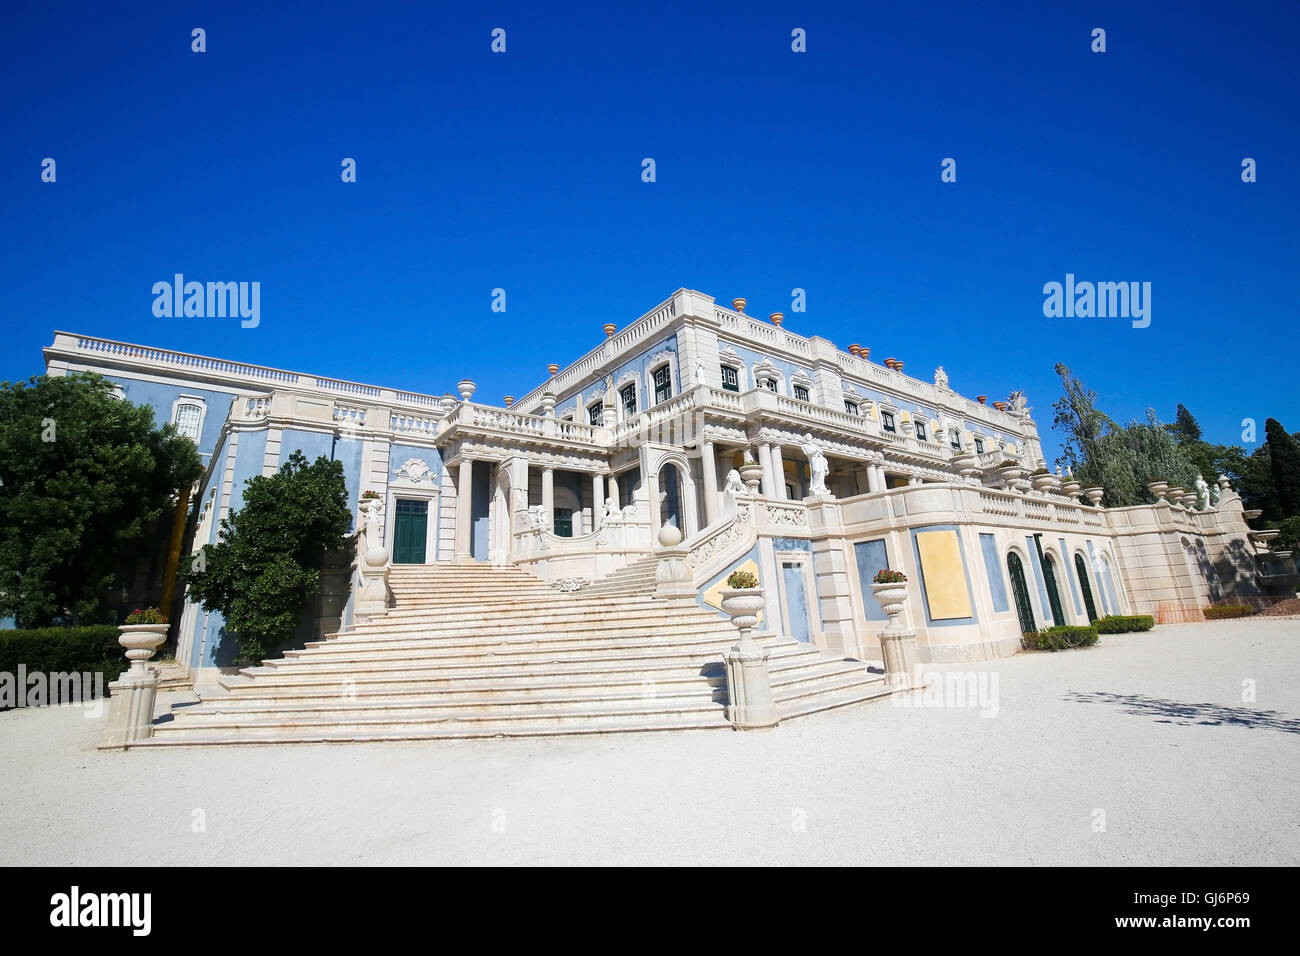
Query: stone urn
[965, 464]
[897, 644]
[1189, 500]
[1070, 487]
[1043, 483]
[1011, 475]
[1094, 495]
[749, 686]
[1158, 489]
[1175, 495]
[466, 388]
[751, 473]
[141, 642]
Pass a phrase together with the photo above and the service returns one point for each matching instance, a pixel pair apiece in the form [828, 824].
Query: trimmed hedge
[1123, 623]
[1219, 611]
[1059, 637]
[66, 650]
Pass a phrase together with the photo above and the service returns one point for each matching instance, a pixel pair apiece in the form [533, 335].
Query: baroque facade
[813, 465]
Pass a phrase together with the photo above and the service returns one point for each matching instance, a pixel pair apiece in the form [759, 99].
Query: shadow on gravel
[1178, 712]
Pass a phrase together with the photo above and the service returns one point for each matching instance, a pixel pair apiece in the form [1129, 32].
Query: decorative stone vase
[1042, 483]
[891, 597]
[897, 644]
[982, 399]
[749, 686]
[610, 328]
[1175, 494]
[141, 641]
[552, 368]
[1011, 474]
[751, 473]
[1189, 500]
[1158, 488]
[1094, 495]
[466, 388]
[1070, 488]
[742, 606]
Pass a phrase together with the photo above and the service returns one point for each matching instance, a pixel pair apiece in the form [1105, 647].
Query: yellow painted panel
[945, 578]
[713, 596]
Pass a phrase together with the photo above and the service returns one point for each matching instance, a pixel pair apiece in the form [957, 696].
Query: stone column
[464, 510]
[765, 459]
[597, 500]
[778, 473]
[914, 480]
[548, 496]
[709, 476]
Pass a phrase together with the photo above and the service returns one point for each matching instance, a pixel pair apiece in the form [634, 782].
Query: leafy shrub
[1122, 623]
[1039, 471]
[739, 580]
[63, 650]
[148, 615]
[886, 576]
[1219, 611]
[1059, 637]
[1009, 463]
[371, 496]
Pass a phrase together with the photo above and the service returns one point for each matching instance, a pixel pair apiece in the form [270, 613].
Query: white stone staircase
[481, 651]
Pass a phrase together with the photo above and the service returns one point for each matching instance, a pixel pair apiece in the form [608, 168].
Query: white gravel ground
[1138, 751]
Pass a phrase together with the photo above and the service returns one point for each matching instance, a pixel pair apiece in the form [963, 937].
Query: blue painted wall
[639, 364]
[795, 605]
[481, 496]
[871, 557]
[993, 569]
[160, 398]
[398, 455]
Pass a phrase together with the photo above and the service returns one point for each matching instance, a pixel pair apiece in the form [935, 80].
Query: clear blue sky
[775, 170]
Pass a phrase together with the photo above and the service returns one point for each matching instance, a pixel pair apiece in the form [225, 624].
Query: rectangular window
[628, 395]
[663, 384]
[979, 446]
[187, 421]
[801, 393]
[920, 431]
[730, 380]
[594, 414]
[851, 407]
[887, 420]
[956, 439]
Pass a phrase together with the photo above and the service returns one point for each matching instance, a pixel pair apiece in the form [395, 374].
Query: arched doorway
[1024, 610]
[670, 497]
[1081, 569]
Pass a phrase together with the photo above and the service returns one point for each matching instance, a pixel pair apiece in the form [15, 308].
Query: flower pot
[1158, 488]
[141, 641]
[1043, 482]
[1011, 474]
[742, 606]
[1070, 489]
[1094, 495]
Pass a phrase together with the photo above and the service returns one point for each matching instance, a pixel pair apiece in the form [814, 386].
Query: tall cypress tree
[1284, 455]
[1185, 427]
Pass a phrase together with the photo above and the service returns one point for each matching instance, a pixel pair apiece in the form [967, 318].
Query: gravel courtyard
[1141, 750]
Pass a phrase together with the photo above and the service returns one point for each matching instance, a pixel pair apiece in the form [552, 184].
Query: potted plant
[742, 599]
[1042, 479]
[371, 496]
[1010, 470]
[889, 587]
[1070, 487]
[141, 633]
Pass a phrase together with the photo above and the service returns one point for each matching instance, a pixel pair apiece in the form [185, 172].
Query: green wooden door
[1082, 569]
[564, 522]
[410, 527]
[1024, 610]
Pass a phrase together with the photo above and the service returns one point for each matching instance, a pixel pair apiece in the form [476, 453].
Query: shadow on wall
[1184, 714]
[1236, 570]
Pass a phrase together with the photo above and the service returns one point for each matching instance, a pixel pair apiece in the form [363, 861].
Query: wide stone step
[533, 644]
[595, 629]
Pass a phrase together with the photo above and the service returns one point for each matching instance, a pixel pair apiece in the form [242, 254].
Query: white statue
[940, 378]
[1215, 495]
[699, 370]
[611, 510]
[1202, 493]
[1018, 402]
[818, 465]
[537, 516]
[735, 486]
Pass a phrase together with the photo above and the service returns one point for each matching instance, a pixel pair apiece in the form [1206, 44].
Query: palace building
[597, 516]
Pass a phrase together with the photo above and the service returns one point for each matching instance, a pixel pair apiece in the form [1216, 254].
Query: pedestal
[899, 650]
[749, 687]
[130, 709]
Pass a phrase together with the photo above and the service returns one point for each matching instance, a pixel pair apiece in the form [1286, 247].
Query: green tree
[1185, 427]
[82, 475]
[266, 565]
[1284, 461]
